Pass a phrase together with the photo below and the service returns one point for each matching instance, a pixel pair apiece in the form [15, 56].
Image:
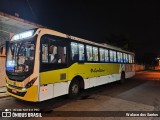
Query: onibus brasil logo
[21, 113]
[7, 113]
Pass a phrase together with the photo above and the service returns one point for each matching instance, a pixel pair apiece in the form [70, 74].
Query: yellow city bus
[42, 64]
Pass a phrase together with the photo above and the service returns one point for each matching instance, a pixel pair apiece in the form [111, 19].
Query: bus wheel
[74, 89]
[122, 77]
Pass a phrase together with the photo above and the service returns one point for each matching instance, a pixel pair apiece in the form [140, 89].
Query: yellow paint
[50, 77]
[14, 83]
[84, 70]
[87, 70]
[31, 95]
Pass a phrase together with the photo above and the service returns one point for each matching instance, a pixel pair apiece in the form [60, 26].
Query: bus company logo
[95, 70]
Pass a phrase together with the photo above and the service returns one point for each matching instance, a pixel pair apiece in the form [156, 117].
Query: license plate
[14, 91]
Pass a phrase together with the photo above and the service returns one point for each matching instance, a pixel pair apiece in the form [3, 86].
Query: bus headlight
[23, 89]
[29, 84]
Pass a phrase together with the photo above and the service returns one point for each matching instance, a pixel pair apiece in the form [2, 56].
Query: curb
[5, 96]
[3, 93]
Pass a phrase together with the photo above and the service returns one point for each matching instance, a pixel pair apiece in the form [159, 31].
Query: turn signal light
[29, 84]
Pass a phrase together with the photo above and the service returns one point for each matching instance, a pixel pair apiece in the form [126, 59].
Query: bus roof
[56, 33]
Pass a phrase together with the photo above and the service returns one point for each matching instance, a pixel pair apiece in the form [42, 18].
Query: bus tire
[122, 77]
[74, 89]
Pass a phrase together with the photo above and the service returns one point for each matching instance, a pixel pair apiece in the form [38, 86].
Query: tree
[121, 41]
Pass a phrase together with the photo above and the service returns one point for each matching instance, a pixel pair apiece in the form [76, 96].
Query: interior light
[23, 35]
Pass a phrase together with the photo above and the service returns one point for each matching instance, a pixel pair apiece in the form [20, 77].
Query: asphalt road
[136, 97]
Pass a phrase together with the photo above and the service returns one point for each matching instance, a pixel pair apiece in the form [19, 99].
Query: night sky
[95, 20]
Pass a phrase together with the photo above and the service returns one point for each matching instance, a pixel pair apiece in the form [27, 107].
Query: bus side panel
[45, 92]
[96, 81]
[95, 74]
[129, 70]
[53, 76]
[92, 70]
[53, 83]
[61, 88]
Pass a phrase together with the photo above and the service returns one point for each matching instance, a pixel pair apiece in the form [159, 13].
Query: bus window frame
[53, 66]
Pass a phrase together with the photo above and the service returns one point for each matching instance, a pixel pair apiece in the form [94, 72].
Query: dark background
[132, 25]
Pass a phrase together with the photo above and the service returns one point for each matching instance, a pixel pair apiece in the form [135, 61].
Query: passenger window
[61, 57]
[53, 56]
[114, 56]
[89, 53]
[101, 54]
[125, 56]
[132, 58]
[106, 56]
[81, 52]
[45, 53]
[95, 54]
[119, 57]
[129, 58]
[74, 50]
[111, 56]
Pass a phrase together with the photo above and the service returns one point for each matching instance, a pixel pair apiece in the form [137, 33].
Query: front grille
[17, 93]
[16, 87]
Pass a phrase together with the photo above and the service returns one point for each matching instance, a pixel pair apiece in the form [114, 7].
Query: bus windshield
[20, 57]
